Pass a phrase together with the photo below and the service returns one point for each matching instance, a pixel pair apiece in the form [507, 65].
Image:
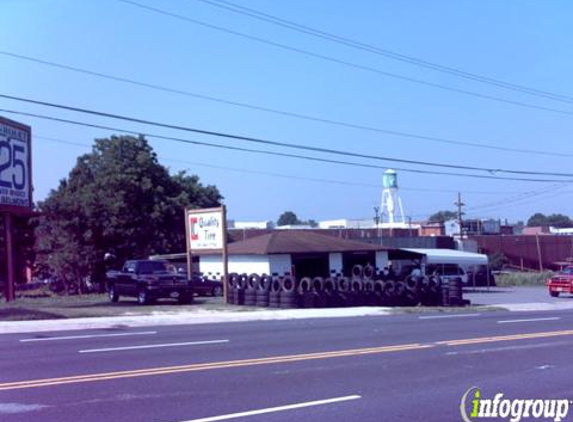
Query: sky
[203, 66]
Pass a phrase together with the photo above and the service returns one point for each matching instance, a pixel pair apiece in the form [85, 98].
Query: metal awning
[449, 256]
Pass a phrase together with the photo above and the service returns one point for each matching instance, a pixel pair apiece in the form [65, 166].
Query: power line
[266, 17]
[265, 152]
[296, 115]
[282, 144]
[344, 62]
[282, 175]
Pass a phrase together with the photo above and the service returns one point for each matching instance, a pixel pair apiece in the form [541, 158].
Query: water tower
[392, 212]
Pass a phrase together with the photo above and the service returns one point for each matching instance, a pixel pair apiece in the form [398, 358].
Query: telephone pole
[460, 204]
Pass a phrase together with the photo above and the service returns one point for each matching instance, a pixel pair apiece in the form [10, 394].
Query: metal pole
[225, 256]
[10, 259]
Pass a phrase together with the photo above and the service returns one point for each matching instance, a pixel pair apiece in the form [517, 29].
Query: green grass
[523, 279]
[97, 305]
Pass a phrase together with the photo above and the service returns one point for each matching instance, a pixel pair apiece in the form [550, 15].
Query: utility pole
[460, 204]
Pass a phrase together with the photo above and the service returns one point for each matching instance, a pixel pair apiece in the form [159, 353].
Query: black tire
[253, 281]
[357, 271]
[321, 300]
[318, 284]
[455, 291]
[250, 297]
[185, 298]
[239, 297]
[554, 294]
[143, 296]
[329, 284]
[343, 284]
[262, 298]
[113, 295]
[243, 281]
[288, 299]
[265, 283]
[369, 272]
[276, 285]
[274, 299]
[234, 280]
[307, 300]
[305, 285]
[217, 291]
[288, 284]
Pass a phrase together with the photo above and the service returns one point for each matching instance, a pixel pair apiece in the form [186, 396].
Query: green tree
[559, 220]
[288, 218]
[117, 198]
[537, 219]
[442, 216]
[555, 220]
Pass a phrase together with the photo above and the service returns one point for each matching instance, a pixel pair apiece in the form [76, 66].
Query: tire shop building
[299, 253]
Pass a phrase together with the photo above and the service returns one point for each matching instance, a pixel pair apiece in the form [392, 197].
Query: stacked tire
[365, 287]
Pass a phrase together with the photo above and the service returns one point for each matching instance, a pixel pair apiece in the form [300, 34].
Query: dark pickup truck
[148, 280]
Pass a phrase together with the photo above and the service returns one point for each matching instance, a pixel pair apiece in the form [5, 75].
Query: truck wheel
[113, 295]
[185, 298]
[554, 294]
[217, 291]
[143, 296]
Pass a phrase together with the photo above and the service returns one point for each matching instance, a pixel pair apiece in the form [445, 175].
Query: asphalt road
[399, 368]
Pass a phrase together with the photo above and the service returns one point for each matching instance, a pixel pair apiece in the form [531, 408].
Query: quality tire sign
[15, 166]
[205, 229]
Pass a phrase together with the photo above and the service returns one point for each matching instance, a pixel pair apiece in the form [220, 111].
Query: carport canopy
[447, 256]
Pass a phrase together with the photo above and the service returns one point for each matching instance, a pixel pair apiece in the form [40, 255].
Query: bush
[523, 278]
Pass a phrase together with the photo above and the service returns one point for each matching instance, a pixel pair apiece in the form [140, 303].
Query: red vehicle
[562, 282]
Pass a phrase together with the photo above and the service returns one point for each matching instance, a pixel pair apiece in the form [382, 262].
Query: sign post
[15, 186]
[206, 231]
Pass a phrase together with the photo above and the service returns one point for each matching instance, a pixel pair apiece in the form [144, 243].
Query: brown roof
[298, 241]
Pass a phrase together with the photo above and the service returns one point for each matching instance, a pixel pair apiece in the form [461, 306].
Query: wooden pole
[225, 256]
[539, 252]
[188, 251]
[10, 259]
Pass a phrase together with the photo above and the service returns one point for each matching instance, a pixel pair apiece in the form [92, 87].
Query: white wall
[335, 262]
[279, 264]
[237, 264]
[381, 259]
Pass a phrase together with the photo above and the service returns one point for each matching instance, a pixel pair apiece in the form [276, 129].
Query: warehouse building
[295, 252]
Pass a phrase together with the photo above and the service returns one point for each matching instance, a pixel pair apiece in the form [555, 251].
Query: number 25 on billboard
[12, 163]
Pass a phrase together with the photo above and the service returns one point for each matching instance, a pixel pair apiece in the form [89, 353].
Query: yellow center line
[510, 337]
[207, 366]
[270, 360]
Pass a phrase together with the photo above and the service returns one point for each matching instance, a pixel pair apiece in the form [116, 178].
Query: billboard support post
[225, 258]
[11, 276]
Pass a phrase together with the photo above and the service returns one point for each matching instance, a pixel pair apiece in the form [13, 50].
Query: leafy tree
[555, 220]
[117, 198]
[312, 223]
[442, 216]
[288, 218]
[559, 220]
[497, 261]
[537, 219]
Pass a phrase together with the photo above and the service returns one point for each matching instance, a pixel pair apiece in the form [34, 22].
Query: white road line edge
[509, 321]
[276, 409]
[152, 346]
[448, 316]
[139, 333]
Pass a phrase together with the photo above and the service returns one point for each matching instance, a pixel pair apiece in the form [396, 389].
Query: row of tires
[319, 292]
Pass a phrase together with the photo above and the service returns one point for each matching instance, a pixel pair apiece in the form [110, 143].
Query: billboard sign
[205, 229]
[15, 166]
